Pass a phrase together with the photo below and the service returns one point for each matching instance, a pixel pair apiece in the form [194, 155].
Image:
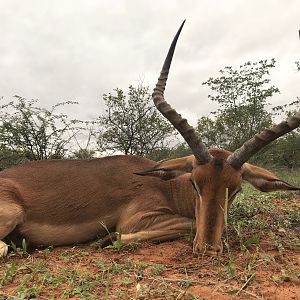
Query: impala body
[63, 202]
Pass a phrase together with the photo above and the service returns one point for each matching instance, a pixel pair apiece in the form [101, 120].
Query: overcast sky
[78, 50]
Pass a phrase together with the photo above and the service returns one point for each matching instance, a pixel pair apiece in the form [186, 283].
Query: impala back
[69, 201]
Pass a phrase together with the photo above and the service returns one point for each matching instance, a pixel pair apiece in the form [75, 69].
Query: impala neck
[183, 196]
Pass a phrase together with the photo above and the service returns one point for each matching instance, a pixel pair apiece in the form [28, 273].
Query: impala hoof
[3, 249]
[109, 239]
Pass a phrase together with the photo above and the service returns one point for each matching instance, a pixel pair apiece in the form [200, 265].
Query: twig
[245, 284]
[252, 294]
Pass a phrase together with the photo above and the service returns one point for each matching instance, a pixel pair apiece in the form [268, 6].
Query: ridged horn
[188, 132]
[260, 140]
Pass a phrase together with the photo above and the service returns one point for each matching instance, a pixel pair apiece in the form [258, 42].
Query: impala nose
[210, 250]
[215, 250]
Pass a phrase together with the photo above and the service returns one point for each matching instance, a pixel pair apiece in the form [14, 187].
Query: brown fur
[68, 201]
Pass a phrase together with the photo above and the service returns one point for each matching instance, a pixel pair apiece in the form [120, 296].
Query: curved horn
[188, 132]
[260, 140]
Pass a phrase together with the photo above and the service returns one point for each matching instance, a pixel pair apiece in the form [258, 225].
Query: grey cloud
[78, 50]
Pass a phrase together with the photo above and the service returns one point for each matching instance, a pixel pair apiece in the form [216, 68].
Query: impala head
[215, 174]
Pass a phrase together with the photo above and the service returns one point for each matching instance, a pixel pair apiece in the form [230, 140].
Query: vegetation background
[131, 125]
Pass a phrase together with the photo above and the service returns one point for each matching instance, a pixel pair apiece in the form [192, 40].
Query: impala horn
[260, 140]
[188, 132]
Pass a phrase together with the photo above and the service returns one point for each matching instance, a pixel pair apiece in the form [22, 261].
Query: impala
[65, 202]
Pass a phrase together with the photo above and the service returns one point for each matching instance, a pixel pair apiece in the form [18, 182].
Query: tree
[86, 141]
[242, 95]
[179, 150]
[286, 150]
[132, 125]
[32, 133]
[10, 158]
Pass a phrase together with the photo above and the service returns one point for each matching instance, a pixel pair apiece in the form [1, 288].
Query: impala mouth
[215, 251]
[209, 250]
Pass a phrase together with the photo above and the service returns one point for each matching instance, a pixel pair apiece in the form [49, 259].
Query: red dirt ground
[263, 274]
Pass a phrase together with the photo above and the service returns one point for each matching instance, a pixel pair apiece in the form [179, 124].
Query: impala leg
[11, 215]
[167, 228]
[162, 228]
[153, 236]
[3, 249]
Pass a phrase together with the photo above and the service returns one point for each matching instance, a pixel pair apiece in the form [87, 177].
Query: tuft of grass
[292, 218]
[157, 269]
[18, 250]
[9, 273]
[248, 204]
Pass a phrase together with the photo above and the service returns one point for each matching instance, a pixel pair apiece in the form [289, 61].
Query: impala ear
[170, 169]
[264, 180]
